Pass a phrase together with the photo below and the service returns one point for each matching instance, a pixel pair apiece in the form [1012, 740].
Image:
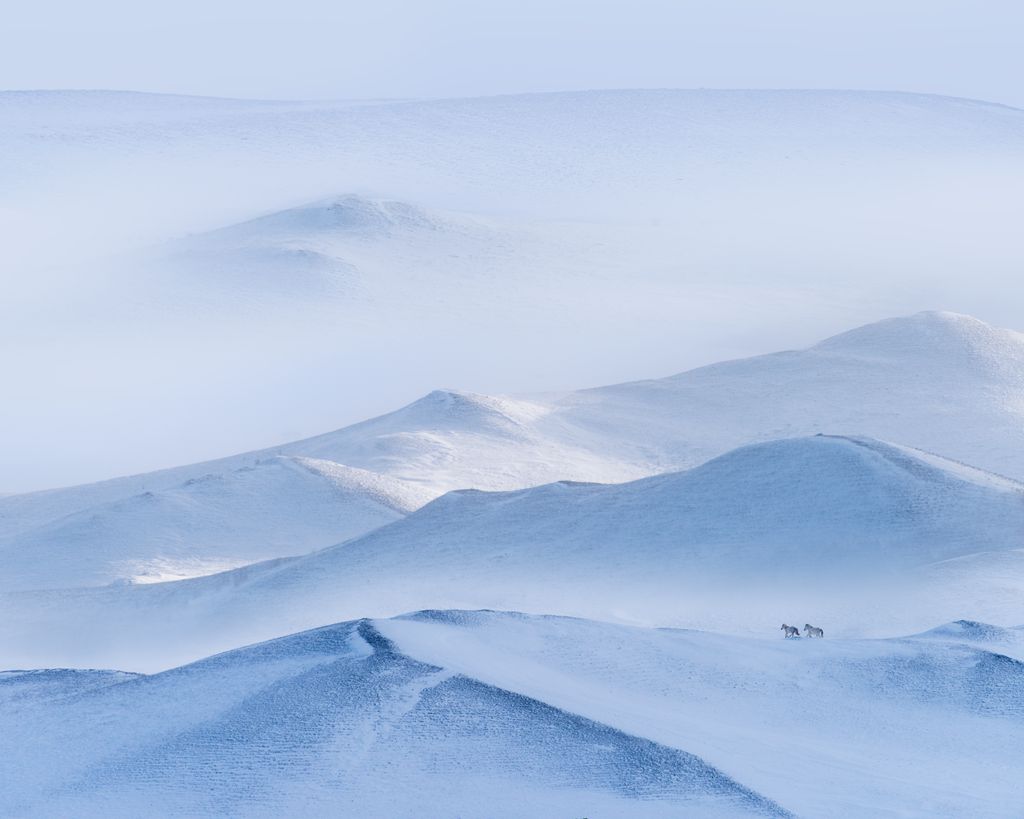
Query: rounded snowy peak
[347, 214]
[469, 411]
[927, 334]
[845, 460]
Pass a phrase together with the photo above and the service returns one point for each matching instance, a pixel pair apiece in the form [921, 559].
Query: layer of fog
[656, 267]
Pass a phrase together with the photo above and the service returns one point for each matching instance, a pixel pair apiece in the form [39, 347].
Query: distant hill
[939, 382]
[864, 535]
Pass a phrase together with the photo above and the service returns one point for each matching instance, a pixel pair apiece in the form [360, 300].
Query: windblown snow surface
[460, 713]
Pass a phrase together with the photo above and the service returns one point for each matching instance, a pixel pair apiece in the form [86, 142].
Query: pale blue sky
[403, 48]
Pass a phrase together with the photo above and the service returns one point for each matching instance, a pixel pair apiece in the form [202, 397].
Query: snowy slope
[455, 440]
[936, 381]
[939, 382]
[823, 505]
[338, 722]
[502, 714]
[824, 728]
[865, 534]
[210, 522]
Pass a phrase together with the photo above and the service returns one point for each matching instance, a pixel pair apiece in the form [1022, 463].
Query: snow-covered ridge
[831, 524]
[453, 409]
[933, 383]
[535, 714]
[205, 523]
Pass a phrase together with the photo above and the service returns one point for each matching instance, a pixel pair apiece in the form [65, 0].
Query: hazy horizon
[456, 48]
[549, 92]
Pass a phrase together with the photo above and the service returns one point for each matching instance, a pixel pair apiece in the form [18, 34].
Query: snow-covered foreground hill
[502, 714]
[872, 538]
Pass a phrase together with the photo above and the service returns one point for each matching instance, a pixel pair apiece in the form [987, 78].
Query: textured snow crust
[504, 714]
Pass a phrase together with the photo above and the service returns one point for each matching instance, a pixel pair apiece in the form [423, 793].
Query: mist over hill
[597, 230]
[874, 538]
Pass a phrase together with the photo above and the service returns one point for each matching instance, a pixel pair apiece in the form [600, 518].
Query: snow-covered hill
[342, 256]
[502, 714]
[209, 522]
[820, 506]
[937, 381]
[940, 382]
[865, 534]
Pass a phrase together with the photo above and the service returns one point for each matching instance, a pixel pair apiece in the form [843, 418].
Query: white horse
[791, 631]
[813, 631]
